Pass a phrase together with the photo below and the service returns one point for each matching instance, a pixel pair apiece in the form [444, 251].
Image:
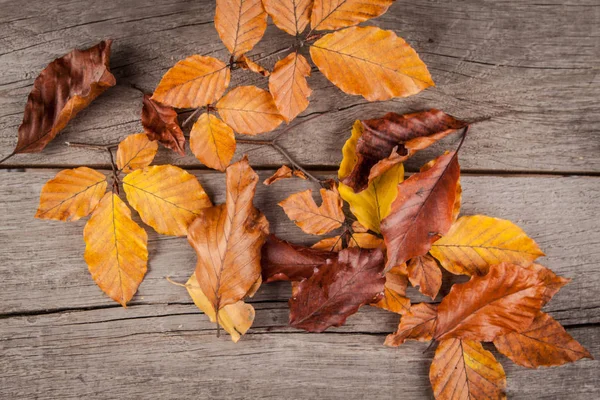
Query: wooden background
[530, 67]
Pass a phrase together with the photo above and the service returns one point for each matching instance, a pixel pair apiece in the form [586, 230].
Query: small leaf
[284, 172]
[166, 197]
[370, 62]
[212, 141]
[249, 110]
[417, 324]
[289, 87]
[317, 220]
[358, 239]
[335, 14]
[423, 271]
[394, 294]
[247, 64]
[115, 249]
[240, 24]
[71, 194]
[136, 152]
[291, 16]
[160, 123]
[193, 82]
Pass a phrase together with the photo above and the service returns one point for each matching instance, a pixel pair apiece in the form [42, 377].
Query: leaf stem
[7, 157]
[99, 147]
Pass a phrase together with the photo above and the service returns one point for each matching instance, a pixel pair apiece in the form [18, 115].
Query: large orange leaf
[65, 87]
[249, 110]
[371, 62]
[160, 123]
[71, 194]
[228, 239]
[317, 220]
[240, 24]
[335, 14]
[417, 324]
[193, 82]
[463, 369]
[288, 85]
[167, 198]
[212, 141]
[115, 249]
[291, 16]
[544, 343]
[423, 271]
[136, 152]
[422, 210]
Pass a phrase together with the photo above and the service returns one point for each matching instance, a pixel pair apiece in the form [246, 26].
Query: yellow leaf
[235, 318]
[371, 62]
[290, 16]
[249, 110]
[240, 24]
[289, 87]
[71, 194]
[136, 152]
[335, 14]
[246, 63]
[166, 197]
[349, 156]
[212, 141]
[475, 242]
[115, 249]
[193, 82]
[317, 220]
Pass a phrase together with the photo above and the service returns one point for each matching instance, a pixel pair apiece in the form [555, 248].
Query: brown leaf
[65, 87]
[394, 294]
[284, 172]
[136, 152]
[422, 211]
[545, 343]
[160, 123]
[417, 324]
[212, 141]
[291, 16]
[240, 24]
[552, 281]
[228, 238]
[317, 220]
[423, 271]
[361, 240]
[283, 261]
[289, 87]
[335, 14]
[391, 140]
[247, 64]
[337, 290]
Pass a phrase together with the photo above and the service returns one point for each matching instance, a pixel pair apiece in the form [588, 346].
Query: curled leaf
[212, 141]
[417, 324]
[240, 24]
[160, 123]
[317, 220]
[336, 14]
[284, 172]
[247, 64]
[136, 152]
[289, 87]
[291, 16]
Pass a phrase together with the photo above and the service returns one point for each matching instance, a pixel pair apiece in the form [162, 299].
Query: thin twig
[115, 184]
[177, 283]
[192, 115]
[275, 53]
[99, 147]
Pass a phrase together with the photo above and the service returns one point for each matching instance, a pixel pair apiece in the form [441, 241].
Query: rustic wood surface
[528, 71]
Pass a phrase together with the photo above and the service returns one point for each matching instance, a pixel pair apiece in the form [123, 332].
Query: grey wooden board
[531, 67]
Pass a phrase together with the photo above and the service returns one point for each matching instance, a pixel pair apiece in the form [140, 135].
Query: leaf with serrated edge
[291, 16]
[336, 14]
[317, 220]
[212, 141]
[240, 24]
[136, 152]
[289, 87]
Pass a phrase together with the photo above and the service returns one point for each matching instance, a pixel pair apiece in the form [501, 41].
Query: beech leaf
[240, 24]
[291, 16]
[394, 294]
[136, 152]
[423, 271]
[335, 14]
[361, 240]
[160, 123]
[417, 324]
[247, 64]
[317, 220]
[289, 87]
[284, 172]
[212, 141]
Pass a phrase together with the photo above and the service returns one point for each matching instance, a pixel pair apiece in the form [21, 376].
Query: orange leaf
[417, 324]
[335, 14]
[360, 240]
[212, 141]
[240, 24]
[160, 123]
[317, 220]
[291, 16]
[423, 271]
[247, 64]
[394, 294]
[136, 152]
[284, 172]
[289, 87]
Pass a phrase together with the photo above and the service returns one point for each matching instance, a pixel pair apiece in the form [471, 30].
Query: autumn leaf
[291, 16]
[317, 220]
[545, 343]
[212, 141]
[193, 82]
[394, 294]
[552, 282]
[422, 210]
[376, 145]
[417, 324]
[115, 249]
[335, 14]
[289, 87]
[247, 64]
[136, 152]
[240, 24]
[423, 271]
[337, 290]
[160, 123]
[473, 243]
[370, 62]
[463, 369]
[228, 238]
[361, 240]
[284, 172]
[166, 197]
[249, 110]
[65, 87]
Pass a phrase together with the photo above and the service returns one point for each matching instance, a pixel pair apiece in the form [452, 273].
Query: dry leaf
[166, 197]
[228, 238]
[417, 324]
[212, 141]
[249, 110]
[240, 24]
[289, 87]
[284, 172]
[335, 14]
[136, 152]
[115, 249]
[160, 123]
[423, 271]
[394, 294]
[357, 239]
[371, 62]
[552, 281]
[291, 16]
[317, 220]
[473, 243]
[463, 369]
[193, 82]
[247, 64]
[65, 87]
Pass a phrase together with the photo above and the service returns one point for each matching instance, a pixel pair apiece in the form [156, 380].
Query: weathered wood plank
[531, 67]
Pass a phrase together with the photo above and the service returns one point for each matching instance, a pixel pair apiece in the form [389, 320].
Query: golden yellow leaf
[240, 24]
[193, 82]
[291, 16]
[246, 63]
[115, 249]
[335, 14]
[284, 172]
[249, 110]
[317, 220]
[463, 369]
[136, 152]
[212, 141]
[166, 197]
[235, 318]
[71, 194]
[288, 85]
[371, 62]
[473, 243]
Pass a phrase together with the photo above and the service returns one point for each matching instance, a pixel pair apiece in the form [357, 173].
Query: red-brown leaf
[160, 123]
[417, 324]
